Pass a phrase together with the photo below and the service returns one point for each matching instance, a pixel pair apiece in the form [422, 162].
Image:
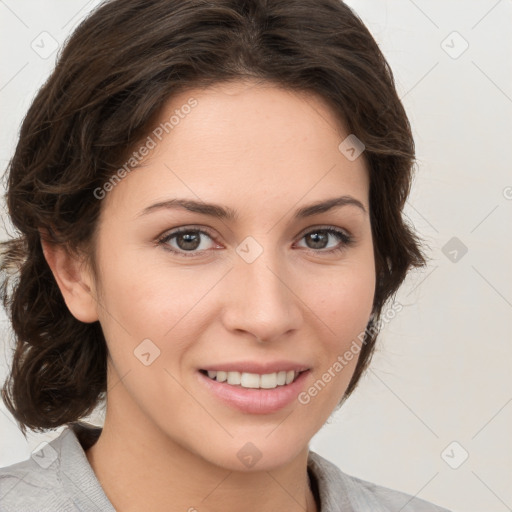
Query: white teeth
[254, 380]
[250, 380]
[268, 381]
[234, 378]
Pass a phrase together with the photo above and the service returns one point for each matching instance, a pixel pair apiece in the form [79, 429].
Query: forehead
[255, 114]
[244, 142]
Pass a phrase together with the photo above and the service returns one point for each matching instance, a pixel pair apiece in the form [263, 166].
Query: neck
[142, 469]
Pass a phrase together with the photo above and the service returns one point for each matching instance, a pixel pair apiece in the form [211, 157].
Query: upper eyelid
[183, 229]
[321, 227]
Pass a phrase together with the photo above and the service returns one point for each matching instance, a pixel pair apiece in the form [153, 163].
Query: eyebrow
[226, 213]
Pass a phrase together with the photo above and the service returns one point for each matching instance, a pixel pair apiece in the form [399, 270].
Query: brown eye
[319, 239]
[186, 240]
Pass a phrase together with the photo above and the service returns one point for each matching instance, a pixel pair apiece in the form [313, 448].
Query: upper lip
[255, 367]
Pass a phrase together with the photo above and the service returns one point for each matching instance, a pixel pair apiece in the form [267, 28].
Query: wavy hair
[112, 77]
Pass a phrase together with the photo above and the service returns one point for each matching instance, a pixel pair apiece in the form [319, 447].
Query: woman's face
[276, 287]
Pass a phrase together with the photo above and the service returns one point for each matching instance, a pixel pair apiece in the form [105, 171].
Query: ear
[73, 278]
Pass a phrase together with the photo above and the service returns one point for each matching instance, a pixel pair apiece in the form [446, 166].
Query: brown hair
[116, 71]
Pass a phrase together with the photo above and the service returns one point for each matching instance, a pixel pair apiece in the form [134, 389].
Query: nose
[260, 299]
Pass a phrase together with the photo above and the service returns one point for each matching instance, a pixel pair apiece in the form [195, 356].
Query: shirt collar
[337, 491]
[77, 475]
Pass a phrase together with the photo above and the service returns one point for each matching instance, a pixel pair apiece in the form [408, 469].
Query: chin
[255, 453]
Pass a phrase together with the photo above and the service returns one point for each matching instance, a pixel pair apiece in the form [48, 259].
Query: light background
[442, 368]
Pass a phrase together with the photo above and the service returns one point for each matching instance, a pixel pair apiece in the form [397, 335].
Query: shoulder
[340, 491]
[35, 484]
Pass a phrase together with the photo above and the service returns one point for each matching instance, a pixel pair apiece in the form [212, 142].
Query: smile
[255, 393]
[253, 380]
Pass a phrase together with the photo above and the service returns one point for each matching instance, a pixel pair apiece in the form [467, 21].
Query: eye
[190, 241]
[185, 240]
[319, 239]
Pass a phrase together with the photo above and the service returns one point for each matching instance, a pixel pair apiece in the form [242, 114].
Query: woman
[209, 197]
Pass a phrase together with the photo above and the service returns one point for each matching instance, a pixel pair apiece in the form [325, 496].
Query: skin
[167, 443]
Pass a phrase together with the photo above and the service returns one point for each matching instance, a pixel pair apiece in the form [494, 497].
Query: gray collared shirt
[59, 478]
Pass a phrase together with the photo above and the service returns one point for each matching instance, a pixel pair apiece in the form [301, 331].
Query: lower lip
[255, 401]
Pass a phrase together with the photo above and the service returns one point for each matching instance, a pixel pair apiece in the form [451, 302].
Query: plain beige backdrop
[433, 415]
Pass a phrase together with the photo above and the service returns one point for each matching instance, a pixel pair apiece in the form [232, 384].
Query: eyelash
[346, 239]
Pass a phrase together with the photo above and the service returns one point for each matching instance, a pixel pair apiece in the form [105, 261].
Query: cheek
[152, 300]
[341, 308]
[343, 302]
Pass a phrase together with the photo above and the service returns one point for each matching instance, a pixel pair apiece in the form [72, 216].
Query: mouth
[253, 380]
[255, 393]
